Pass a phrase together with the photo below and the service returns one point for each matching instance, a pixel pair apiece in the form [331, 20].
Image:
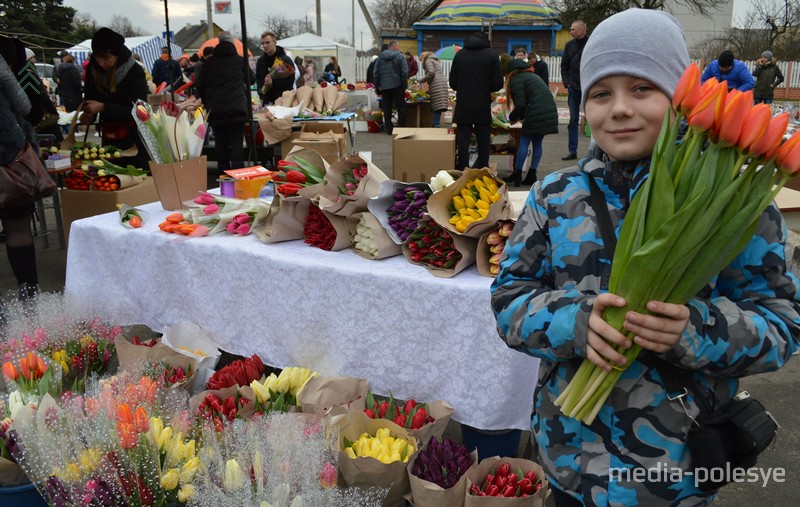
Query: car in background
[45, 71]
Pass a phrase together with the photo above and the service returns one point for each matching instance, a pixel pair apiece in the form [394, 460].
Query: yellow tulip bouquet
[694, 214]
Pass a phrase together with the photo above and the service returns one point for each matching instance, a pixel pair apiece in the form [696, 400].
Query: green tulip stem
[695, 138]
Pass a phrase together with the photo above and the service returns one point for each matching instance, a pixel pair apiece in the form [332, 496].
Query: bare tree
[123, 26]
[595, 11]
[767, 25]
[284, 27]
[397, 13]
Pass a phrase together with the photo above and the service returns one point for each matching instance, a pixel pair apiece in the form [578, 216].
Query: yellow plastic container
[249, 189]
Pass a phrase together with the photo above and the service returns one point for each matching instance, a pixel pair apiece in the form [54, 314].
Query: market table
[388, 321]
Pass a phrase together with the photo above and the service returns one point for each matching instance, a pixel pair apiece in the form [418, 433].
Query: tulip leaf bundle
[383, 447]
[431, 245]
[240, 372]
[295, 174]
[318, 229]
[410, 203]
[495, 243]
[411, 415]
[352, 178]
[508, 484]
[695, 213]
[474, 203]
[442, 463]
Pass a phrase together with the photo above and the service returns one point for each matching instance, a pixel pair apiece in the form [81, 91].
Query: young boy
[552, 289]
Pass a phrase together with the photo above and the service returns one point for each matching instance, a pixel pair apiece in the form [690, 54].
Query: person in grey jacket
[474, 75]
[391, 79]
[768, 77]
[437, 85]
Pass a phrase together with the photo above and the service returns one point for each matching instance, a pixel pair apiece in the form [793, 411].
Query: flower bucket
[25, 494]
[373, 126]
[226, 187]
[249, 189]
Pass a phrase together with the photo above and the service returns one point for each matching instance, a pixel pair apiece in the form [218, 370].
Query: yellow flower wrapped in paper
[233, 475]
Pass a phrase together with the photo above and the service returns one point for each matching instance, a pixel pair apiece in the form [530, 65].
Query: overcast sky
[336, 15]
[149, 15]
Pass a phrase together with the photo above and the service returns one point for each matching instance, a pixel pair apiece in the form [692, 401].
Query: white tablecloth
[388, 321]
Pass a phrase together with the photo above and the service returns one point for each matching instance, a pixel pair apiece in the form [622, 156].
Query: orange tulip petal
[737, 108]
[124, 414]
[755, 128]
[788, 157]
[687, 92]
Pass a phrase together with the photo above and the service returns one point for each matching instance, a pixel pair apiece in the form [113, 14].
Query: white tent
[309, 45]
[147, 46]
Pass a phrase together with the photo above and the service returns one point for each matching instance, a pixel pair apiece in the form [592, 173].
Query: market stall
[309, 45]
[387, 321]
[146, 46]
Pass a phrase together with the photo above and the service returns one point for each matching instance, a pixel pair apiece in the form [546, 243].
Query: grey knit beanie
[643, 43]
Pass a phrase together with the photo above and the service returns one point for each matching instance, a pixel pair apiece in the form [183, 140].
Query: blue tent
[147, 46]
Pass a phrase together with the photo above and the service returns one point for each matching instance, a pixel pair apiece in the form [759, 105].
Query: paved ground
[778, 391]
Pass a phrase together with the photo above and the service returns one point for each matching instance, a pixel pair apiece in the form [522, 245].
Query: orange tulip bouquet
[695, 213]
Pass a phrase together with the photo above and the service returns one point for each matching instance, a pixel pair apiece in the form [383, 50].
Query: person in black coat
[165, 69]
[541, 69]
[474, 75]
[571, 76]
[70, 87]
[274, 86]
[114, 81]
[222, 85]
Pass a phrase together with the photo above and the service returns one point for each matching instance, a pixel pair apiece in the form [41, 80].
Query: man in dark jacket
[391, 79]
[222, 87]
[474, 75]
[268, 79]
[571, 76]
[541, 69]
[768, 77]
[165, 69]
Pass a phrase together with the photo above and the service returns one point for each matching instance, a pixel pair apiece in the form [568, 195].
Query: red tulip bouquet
[695, 213]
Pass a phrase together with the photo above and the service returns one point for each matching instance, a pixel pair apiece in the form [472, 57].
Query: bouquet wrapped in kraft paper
[490, 248]
[317, 99]
[519, 467]
[303, 96]
[363, 471]
[131, 355]
[329, 95]
[192, 341]
[370, 239]
[327, 231]
[472, 205]
[441, 252]
[429, 494]
[11, 474]
[441, 412]
[275, 129]
[332, 396]
[243, 410]
[349, 184]
[286, 99]
[399, 207]
[287, 216]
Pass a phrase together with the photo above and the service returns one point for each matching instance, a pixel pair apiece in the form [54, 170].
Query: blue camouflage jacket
[745, 321]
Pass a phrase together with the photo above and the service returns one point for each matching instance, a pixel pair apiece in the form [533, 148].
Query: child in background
[551, 291]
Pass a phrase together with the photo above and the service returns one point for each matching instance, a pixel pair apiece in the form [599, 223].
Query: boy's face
[625, 114]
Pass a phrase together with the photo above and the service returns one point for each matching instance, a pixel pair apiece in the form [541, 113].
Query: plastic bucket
[249, 189]
[24, 495]
[503, 443]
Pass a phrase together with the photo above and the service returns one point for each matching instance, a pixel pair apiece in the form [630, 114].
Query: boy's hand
[598, 349]
[660, 331]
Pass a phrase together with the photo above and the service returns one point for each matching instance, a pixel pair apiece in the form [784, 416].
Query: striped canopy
[148, 47]
[500, 10]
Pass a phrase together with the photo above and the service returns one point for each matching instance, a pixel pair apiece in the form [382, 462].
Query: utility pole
[375, 34]
[209, 22]
[319, 18]
[353, 21]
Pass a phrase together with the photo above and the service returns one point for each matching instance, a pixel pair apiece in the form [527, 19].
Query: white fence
[790, 70]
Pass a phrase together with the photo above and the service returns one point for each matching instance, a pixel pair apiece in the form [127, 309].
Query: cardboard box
[180, 181]
[328, 138]
[418, 154]
[287, 144]
[77, 204]
[61, 163]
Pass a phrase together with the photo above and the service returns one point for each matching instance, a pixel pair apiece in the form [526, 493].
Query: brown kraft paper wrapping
[441, 412]
[286, 217]
[303, 94]
[465, 245]
[334, 202]
[428, 494]
[129, 354]
[11, 474]
[317, 100]
[331, 396]
[483, 254]
[329, 94]
[366, 472]
[275, 129]
[439, 205]
[386, 246]
[476, 475]
[344, 231]
[341, 101]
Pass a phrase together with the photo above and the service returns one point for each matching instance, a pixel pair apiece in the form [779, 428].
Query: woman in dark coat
[69, 83]
[114, 81]
[437, 85]
[533, 104]
[221, 86]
